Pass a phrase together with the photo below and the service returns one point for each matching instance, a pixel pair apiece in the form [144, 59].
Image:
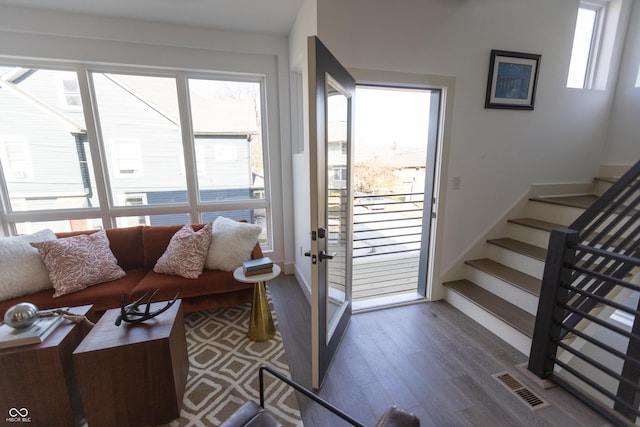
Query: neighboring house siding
[51, 146]
[123, 117]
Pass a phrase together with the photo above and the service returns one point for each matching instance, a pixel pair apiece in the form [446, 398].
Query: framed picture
[512, 80]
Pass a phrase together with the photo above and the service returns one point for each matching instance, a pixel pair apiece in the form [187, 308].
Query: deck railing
[587, 333]
[388, 224]
[387, 235]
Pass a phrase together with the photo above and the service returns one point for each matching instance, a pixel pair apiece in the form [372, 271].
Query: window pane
[252, 216]
[167, 219]
[43, 144]
[227, 129]
[581, 52]
[59, 226]
[140, 127]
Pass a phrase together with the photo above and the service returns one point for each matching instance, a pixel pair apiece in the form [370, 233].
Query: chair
[252, 415]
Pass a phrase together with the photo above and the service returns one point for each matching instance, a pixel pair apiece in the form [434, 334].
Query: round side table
[261, 327]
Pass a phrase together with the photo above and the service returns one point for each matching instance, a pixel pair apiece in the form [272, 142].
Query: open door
[331, 99]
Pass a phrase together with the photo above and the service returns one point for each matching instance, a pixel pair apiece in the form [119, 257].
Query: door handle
[323, 255]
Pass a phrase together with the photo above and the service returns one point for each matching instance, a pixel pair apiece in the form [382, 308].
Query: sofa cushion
[232, 243]
[186, 253]
[79, 261]
[22, 270]
[125, 243]
[210, 282]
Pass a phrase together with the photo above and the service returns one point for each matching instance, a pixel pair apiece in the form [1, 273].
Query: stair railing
[588, 276]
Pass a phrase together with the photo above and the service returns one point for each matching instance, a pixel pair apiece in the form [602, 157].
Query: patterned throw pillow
[186, 253]
[231, 243]
[79, 261]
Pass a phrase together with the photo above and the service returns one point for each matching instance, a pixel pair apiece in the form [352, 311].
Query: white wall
[496, 153]
[305, 25]
[30, 33]
[623, 146]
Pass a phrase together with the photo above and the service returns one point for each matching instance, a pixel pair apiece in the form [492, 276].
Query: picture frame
[512, 82]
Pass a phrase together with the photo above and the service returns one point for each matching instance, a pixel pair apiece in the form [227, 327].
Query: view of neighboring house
[47, 155]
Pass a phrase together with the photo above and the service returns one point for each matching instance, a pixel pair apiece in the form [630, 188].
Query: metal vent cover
[532, 400]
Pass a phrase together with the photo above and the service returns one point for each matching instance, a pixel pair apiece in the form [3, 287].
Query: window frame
[108, 211]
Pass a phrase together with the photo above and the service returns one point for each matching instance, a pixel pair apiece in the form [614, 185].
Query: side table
[134, 374]
[38, 381]
[261, 327]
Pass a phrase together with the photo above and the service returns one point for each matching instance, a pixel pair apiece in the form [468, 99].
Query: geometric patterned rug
[223, 371]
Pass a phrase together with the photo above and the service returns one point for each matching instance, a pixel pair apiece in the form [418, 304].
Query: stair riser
[506, 332]
[600, 187]
[553, 213]
[529, 235]
[560, 214]
[506, 291]
[526, 264]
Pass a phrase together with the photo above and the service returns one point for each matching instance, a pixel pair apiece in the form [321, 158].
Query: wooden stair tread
[581, 201]
[502, 309]
[523, 248]
[507, 274]
[536, 223]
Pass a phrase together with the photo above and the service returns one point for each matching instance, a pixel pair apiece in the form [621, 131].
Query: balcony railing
[387, 234]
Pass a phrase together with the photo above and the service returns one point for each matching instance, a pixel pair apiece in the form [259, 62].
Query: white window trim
[254, 68]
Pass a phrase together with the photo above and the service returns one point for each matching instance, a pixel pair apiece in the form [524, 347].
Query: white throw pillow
[22, 271]
[231, 243]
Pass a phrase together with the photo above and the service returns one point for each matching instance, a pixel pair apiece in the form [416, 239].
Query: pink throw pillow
[186, 253]
[79, 261]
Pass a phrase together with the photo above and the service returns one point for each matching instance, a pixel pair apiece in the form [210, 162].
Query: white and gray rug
[224, 365]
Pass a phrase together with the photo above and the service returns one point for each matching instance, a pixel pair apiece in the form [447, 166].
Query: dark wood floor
[427, 358]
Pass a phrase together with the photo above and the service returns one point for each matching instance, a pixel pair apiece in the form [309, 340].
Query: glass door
[331, 91]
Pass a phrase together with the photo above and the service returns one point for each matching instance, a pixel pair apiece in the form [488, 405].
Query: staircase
[501, 290]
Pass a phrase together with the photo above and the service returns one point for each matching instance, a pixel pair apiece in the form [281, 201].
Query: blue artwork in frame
[512, 80]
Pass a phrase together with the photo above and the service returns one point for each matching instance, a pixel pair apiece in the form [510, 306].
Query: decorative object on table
[31, 326]
[512, 80]
[25, 324]
[131, 313]
[254, 267]
[21, 315]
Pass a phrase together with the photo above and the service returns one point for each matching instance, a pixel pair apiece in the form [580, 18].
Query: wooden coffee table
[37, 382]
[133, 374]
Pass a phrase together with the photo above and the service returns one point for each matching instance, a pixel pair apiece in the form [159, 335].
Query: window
[227, 130]
[584, 45]
[154, 160]
[599, 27]
[16, 159]
[70, 91]
[127, 157]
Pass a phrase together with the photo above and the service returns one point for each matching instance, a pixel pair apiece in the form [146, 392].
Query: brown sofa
[137, 249]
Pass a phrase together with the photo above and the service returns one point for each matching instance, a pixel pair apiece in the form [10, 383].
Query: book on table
[257, 272]
[34, 334]
[257, 266]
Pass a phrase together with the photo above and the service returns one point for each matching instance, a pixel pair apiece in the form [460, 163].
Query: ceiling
[262, 16]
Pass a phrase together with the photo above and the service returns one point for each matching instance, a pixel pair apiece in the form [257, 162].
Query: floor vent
[533, 401]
